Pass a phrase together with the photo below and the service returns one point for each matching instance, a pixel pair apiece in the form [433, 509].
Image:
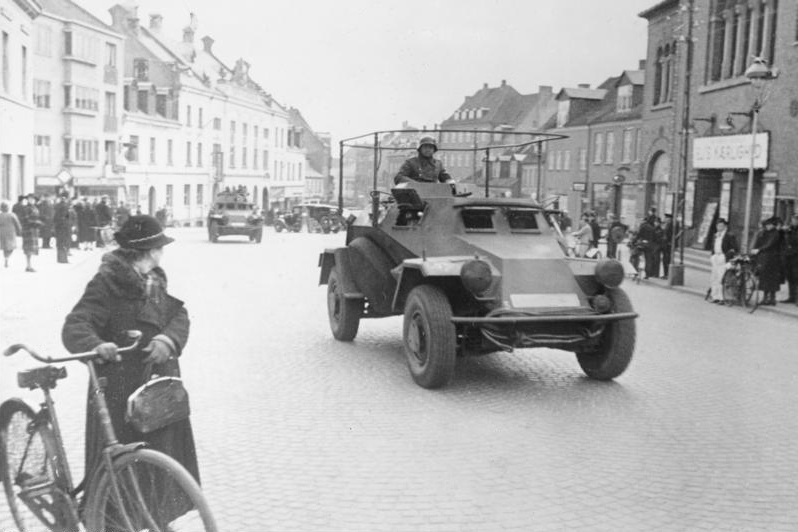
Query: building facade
[704, 113]
[16, 105]
[77, 92]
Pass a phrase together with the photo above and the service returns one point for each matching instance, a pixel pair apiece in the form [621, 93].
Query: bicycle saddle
[44, 377]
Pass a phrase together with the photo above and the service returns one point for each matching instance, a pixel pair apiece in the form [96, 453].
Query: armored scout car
[233, 214]
[475, 275]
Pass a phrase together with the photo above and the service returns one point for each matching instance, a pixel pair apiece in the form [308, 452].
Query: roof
[651, 11]
[71, 11]
[635, 77]
[580, 93]
[503, 103]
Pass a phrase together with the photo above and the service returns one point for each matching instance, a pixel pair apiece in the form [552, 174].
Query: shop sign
[730, 151]
[580, 187]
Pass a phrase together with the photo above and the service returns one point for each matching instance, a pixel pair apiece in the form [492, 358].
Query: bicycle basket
[157, 403]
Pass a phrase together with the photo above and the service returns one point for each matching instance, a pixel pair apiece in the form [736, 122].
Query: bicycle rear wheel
[33, 481]
[751, 290]
[155, 493]
[731, 287]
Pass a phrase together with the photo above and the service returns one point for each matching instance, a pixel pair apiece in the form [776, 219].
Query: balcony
[110, 124]
[110, 75]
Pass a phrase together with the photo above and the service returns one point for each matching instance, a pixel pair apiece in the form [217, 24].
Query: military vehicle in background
[233, 214]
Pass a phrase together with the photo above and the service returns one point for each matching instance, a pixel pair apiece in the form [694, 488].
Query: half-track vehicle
[233, 214]
[475, 275]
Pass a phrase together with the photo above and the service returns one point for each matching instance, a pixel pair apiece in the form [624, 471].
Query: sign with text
[731, 151]
[580, 187]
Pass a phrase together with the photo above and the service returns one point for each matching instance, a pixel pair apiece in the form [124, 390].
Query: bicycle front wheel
[731, 287]
[34, 483]
[147, 490]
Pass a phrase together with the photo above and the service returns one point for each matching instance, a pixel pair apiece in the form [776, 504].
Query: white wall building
[77, 93]
[16, 107]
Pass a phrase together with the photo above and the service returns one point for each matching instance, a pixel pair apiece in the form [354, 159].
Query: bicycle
[740, 283]
[132, 488]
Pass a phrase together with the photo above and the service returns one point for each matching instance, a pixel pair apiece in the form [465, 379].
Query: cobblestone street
[298, 432]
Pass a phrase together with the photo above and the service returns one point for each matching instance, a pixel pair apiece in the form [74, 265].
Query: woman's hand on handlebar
[108, 352]
[158, 351]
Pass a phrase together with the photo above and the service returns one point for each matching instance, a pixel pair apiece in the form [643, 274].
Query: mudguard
[339, 257]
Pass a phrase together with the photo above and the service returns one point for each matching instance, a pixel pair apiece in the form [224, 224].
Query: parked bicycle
[740, 283]
[132, 489]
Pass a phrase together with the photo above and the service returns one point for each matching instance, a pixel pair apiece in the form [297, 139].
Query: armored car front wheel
[429, 337]
[344, 313]
[213, 231]
[614, 352]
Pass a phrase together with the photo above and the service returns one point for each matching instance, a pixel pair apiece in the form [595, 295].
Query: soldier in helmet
[425, 167]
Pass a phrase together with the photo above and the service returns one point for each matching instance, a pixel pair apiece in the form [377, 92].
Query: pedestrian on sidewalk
[10, 229]
[790, 256]
[616, 233]
[767, 248]
[129, 291]
[646, 238]
[583, 236]
[31, 222]
[670, 229]
[723, 246]
[62, 222]
[46, 212]
[86, 224]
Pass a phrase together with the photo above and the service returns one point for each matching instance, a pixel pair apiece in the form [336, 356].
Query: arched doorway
[658, 178]
[153, 204]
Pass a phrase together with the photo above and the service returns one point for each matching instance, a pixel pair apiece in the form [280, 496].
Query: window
[200, 124]
[68, 42]
[265, 133]
[21, 177]
[232, 162]
[624, 99]
[558, 160]
[133, 149]
[24, 80]
[152, 150]
[5, 62]
[244, 157]
[199, 154]
[41, 149]
[217, 124]
[110, 54]
[186, 195]
[638, 144]
[563, 108]
[110, 104]
[67, 96]
[610, 148]
[265, 159]
[141, 69]
[566, 163]
[582, 158]
[44, 40]
[41, 93]
[217, 160]
[200, 194]
[188, 153]
[169, 195]
[232, 132]
[86, 99]
[67, 149]
[160, 105]
[134, 195]
[88, 150]
[5, 185]
[551, 160]
[81, 46]
[626, 150]
[598, 148]
[188, 115]
[169, 152]
[142, 101]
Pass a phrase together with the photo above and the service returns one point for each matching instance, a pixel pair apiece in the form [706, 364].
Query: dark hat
[141, 232]
[773, 220]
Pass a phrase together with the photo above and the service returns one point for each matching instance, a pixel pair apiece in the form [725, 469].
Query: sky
[356, 66]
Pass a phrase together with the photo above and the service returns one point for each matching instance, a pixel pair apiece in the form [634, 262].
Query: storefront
[718, 186]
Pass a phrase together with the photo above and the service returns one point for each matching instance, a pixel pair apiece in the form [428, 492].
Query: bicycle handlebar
[135, 336]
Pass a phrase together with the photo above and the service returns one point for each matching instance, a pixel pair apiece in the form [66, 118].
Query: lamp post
[757, 73]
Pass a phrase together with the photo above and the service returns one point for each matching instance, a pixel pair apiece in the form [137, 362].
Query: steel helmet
[428, 140]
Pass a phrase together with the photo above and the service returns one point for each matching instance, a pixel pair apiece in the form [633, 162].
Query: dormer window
[624, 99]
[563, 108]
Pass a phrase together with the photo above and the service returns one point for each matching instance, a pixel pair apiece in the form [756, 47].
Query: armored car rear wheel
[344, 313]
[429, 337]
[213, 232]
[617, 345]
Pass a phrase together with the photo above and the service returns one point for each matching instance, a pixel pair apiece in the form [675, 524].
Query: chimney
[544, 90]
[642, 64]
[207, 43]
[484, 85]
[504, 82]
[133, 24]
[188, 34]
[156, 22]
[584, 85]
[405, 125]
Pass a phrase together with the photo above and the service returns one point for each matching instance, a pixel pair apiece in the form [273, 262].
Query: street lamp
[758, 73]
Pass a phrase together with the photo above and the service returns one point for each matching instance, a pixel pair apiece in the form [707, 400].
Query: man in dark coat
[645, 240]
[122, 214]
[30, 222]
[668, 232]
[103, 218]
[595, 228]
[790, 256]
[767, 248]
[45, 207]
[19, 206]
[129, 292]
[63, 228]
[425, 167]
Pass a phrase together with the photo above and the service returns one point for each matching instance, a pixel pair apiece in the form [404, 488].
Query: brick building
[717, 105]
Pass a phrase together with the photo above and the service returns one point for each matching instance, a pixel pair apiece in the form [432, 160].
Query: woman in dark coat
[31, 222]
[767, 249]
[86, 224]
[129, 292]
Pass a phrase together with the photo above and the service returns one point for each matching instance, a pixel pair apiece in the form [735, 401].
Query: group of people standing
[775, 252]
[653, 241]
[73, 223]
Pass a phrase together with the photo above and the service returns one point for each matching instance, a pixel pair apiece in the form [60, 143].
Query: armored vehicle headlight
[602, 304]
[476, 276]
[609, 272]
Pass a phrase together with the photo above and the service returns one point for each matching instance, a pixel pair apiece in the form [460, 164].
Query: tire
[429, 337]
[157, 494]
[50, 508]
[344, 314]
[213, 232]
[617, 345]
[731, 289]
[748, 289]
[372, 269]
[258, 235]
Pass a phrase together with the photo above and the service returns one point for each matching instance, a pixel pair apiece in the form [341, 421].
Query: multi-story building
[77, 92]
[491, 117]
[316, 146]
[194, 126]
[16, 108]
[698, 109]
